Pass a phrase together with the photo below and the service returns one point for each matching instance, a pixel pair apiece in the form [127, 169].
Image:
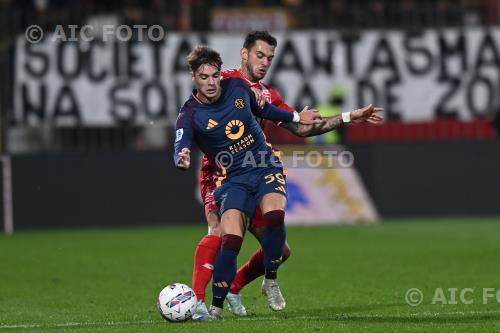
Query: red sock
[204, 258]
[251, 270]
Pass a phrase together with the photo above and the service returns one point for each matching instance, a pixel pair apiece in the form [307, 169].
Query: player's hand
[369, 114]
[309, 116]
[185, 160]
[261, 101]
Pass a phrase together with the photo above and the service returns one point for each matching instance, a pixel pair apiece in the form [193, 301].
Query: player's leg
[232, 229]
[204, 259]
[273, 234]
[236, 203]
[208, 247]
[244, 275]
[272, 195]
[252, 269]
[204, 256]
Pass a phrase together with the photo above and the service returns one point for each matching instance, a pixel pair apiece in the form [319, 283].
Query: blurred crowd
[224, 15]
[197, 15]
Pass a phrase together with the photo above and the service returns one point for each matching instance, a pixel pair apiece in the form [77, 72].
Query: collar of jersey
[197, 100]
[250, 83]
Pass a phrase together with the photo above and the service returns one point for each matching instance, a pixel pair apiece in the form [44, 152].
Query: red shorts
[208, 178]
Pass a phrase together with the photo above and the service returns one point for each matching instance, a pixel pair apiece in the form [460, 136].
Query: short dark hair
[201, 55]
[254, 36]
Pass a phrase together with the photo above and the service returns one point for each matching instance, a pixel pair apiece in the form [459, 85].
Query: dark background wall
[113, 189]
[108, 189]
[431, 178]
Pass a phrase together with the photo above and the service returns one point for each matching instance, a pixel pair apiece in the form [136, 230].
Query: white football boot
[275, 299]
[214, 313]
[201, 311]
[234, 304]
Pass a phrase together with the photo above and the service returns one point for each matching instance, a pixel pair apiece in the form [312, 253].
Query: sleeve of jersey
[280, 103]
[183, 133]
[272, 112]
[269, 111]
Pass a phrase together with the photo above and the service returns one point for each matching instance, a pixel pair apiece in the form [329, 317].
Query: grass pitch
[338, 279]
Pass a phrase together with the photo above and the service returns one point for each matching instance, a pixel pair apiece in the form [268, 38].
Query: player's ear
[192, 75]
[244, 53]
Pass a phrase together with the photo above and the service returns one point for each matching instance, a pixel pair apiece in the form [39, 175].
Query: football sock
[251, 270]
[225, 268]
[204, 258]
[273, 239]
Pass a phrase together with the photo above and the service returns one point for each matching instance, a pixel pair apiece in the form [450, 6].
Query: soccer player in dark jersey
[220, 119]
[256, 58]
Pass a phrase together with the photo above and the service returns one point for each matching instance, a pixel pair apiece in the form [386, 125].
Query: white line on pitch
[423, 315]
[73, 324]
[427, 315]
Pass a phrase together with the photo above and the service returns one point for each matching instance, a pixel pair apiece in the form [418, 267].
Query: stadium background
[87, 142]
[85, 149]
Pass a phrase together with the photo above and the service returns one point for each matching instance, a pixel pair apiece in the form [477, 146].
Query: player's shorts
[207, 187]
[245, 192]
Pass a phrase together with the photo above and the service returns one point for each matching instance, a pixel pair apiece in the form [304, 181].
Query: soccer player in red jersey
[256, 58]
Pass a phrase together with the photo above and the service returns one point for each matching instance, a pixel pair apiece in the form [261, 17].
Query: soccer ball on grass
[176, 302]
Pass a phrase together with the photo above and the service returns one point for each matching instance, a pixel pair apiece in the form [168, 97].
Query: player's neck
[247, 75]
[204, 99]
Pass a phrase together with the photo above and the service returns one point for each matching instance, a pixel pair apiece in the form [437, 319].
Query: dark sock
[225, 268]
[249, 271]
[273, 239]
[272, 275]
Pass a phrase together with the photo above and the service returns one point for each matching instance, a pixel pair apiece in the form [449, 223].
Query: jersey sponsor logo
[242, 144]
[239, 103]
[211, 124]
[235, 129]
[178, 134]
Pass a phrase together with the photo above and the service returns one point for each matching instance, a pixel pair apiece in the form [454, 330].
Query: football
[176, 302]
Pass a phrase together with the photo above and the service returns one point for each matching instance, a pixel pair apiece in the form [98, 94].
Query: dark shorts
[245, 192]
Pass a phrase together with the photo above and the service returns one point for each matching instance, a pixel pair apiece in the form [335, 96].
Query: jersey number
[271, 178]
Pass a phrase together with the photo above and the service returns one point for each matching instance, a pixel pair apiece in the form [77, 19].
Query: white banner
[416, 77]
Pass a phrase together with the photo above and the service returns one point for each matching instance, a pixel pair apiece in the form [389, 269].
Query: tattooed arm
[327, 124]
[367, 114]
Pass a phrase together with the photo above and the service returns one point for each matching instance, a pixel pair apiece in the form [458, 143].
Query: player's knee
[213, 223]
[273, 201]
[274, 218]
[214, 231]
[287, 252]
[212, 218]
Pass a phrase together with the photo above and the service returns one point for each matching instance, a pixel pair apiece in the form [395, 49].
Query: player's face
[207, 82]
[257, 60]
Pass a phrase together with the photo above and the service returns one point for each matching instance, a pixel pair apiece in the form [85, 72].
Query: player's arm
[327, 124]
[183, 140]
[304, 130]
[272, 112]
[369, 114]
